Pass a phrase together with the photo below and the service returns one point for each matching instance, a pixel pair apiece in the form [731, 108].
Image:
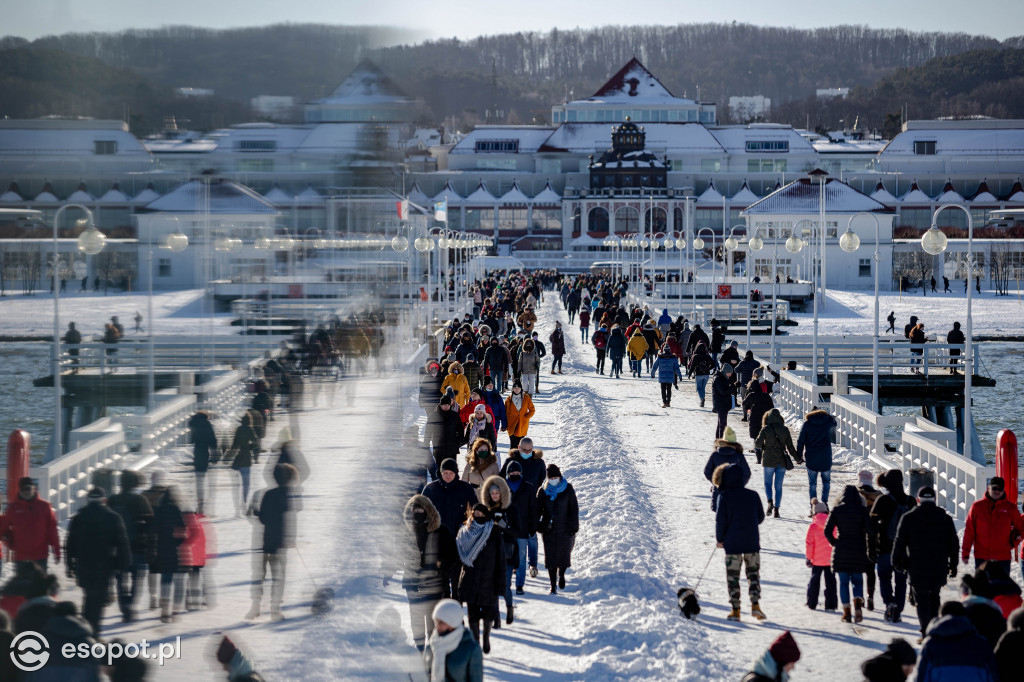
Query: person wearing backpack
[137, 515]
[600, 342]
[886, 513]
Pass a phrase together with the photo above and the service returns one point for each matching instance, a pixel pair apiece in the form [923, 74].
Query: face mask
[483, 453]
[514, 478]
[526, 455]
[554, 481]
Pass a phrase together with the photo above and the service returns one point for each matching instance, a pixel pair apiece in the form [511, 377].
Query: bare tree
[1003, 267]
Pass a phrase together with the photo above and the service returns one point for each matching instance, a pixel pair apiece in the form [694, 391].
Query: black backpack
[894, 521]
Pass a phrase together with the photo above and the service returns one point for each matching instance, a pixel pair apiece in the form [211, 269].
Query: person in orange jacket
[819, 559]
[991, 521]
[518, 409]
[30, 526]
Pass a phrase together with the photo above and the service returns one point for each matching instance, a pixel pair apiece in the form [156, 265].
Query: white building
[273, 106]
[746, 109]
[829, 93]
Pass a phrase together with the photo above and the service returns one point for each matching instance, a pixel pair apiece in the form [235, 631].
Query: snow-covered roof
[634, 84]
[744, 197]
[949, 195]
[448, 192]
[12, 194]
[67, 138]
[203, 145]
[983, 195]
[802, 196]
[528, 138]
[883, 196]
[366, 83]
[146, 196]
[914, 195]
[1016, 194]
[278, 196]
[710, 196]
[954, 142]
[114, 195]
[514, 196]
[547, 196]
[846, 146]
[81, 196]
[480, 195]
[734, 138]
[668, 138]
[46, 196]
[309, 197]
[416, 196]
[345, 136]
[213, 196]
[586, 240]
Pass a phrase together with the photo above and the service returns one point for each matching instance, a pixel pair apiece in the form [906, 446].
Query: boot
[254, 612]
[561, 578]
[487, 638]
[847, 618]
[756, 612]
[553, 577]
[165, 610]
[771, 507]
[776, 511]
[510, 618]
[474, 629]
[871, 603]
[858, 613]
[497, 619]
[734, 614]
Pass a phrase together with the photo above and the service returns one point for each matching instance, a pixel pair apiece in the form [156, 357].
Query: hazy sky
[468, 18]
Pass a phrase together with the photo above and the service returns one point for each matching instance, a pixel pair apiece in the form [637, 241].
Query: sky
[469, 18]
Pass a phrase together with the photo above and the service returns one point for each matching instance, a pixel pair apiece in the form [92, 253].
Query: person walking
[497, 497]
[480, 426]
[885, 516]
[446, 433]
[192, 559]
[72, 338]
[244, 447]
[585, 324]
[700, 367]
[722, 395]
[204, 440]
[850, 549]
[728, 451]
[717, 340]
[933, 283]
[993, 523]
[954, 650]
[926, 548]
[891, 319]
[869, 494]
[525, 507]
[29, 527]
[457, 380]
[776, 445]
[482, 554]
[450, 496]
[818, 551]
[917, 341]
[529, 367]
[274, 511]
[736, 531]
[666, 366]
[637, 349]
[558, 524]
[616, 350]
[557, 340]
[519, 409]
[945, 285]
[170, 532]
[600, 342]
[954, 337]
[419, 558]
[96, 548]
[757, 401]
[454, 655]
[481, 463]
[496, 360]
[137, 516]
[814, 446]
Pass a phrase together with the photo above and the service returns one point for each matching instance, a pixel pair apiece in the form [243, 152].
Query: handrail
[959, 482]
[64, 481]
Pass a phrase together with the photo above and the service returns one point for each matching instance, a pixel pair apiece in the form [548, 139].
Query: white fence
[862, 430]
[163, 427]
[224, 394]
[856, 354]
[66, 480]
[799, 395]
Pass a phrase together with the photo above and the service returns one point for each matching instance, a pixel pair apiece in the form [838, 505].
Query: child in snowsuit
[819, 560]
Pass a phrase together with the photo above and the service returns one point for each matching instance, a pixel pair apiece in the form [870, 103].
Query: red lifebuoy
[18, 461]
[1006, 462]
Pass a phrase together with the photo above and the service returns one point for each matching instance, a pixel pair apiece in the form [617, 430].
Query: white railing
[860, 429]
[959, 482]
[225, 394]
[856, 354]
[799, 395]
[66, 480]
[163, 427]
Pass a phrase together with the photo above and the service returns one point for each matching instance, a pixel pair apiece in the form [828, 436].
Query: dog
[688, 605]
[323, 601]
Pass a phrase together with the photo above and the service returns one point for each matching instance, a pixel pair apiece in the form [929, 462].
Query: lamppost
[176, 242]
[426, 245]
[815, 270]
[729, 245]
[698, 245]
[849, 243]
[794, 244]
[754, 244]
[90, 242]
[934, 242]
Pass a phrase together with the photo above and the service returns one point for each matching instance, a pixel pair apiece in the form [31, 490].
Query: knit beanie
[784, 649]
[882, 668]
[554, 471]
[902, 651]
[865, 477]
[226, 650]
[446, 399]
[727, 368]
[450, 465]
[514, 467]
[448, 611]
[729, 435]
[818, 507]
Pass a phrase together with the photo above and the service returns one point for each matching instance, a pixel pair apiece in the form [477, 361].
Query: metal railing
[855, 354]
[224, 394]
[163, 427]
[860, 429]
[182, 353]
[799, 395]
[66, 480]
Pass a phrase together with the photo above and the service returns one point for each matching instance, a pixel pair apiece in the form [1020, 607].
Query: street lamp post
[176, 242]
[698, 245]
[90, 242]
[814, 271]
[794, 244]
[754, 244]
[934, 242]
[849, 243]
[729, 245]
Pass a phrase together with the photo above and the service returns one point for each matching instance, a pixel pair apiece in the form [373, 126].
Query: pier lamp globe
[176, 242]
[399, 243]
[755, 243]
[669, 243]
[644, 243]
[794, 244]
[731, 244]
[934, 241]
[698, 243]
[423, 244]
[442, 243]
[91, 241]
[680, 243]
[849, 242]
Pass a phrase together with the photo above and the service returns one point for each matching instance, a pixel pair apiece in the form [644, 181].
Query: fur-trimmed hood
[816, 414]
[478, 463]
[456, 367]
[424, 503]
[506, 494]
[723, 444]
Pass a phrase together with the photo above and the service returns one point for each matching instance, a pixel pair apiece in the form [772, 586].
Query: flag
[403, 209]
[441, 211]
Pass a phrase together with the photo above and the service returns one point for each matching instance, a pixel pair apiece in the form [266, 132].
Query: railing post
[925, 360]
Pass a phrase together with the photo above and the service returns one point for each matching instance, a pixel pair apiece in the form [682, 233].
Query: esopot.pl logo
[30, 651]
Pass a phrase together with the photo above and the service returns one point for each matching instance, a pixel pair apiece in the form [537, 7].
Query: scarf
[477, 426]
[442, 645]
[471, 539]
[514, 485]
[553, 491]
[517, 400]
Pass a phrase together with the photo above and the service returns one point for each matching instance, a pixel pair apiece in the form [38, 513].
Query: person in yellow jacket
[457, 380]
[637, 349]
[518, 409]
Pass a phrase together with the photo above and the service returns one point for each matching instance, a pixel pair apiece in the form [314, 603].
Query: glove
[809, 564]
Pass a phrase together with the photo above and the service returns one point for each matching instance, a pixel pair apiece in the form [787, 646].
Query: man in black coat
[204, 441]
[728, 451]
[452, 498]
[96, 546]
[892, 584]
[722, 389]
[430, 386]
[275, 511]
[717, 340]
[926, 548]
[527, 511]
[137, 515]
[696, 336]
[739, 514]
[954, 336]
[445, 433]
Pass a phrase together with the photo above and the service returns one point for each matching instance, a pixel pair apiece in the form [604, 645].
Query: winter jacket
[529, 362]
[986, 617]
[474, 373]
[496, 359]
[745, 370]
[817, 549]
[430, 388]
[557, 339]
[850, 518]
[739, 513]
[926, 547]
[814, 444]
[727, 453]
[466, 413]
[584, 318]
[990, 523]
[534, 468]
[245, 445]
[666, 366]
[30, 530]
[717, 339]
[465, 664]
[774, 441]
[600, 339]
[96, 546]
[519, 418]
[450, 500]
[420, 552]
[721, 393]
[135, 513]
[192, 552]
[526, 507]
[664, 321]
[1009, 650]
[446, 433]
[697, 336]
[465, 348]
[616, 344]
[483, 582]
[559, 522]
[497, 407]
[458, 382]
[478, 468]
[701, 363]
[637, 345]
[757, 399]
[203, 438]
[953, 651]
[881, 517]
[653, 338]
[169, 526]
[278, 519]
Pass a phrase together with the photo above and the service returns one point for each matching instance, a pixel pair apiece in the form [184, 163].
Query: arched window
[627, 220]
[660, 219]
[597, 221]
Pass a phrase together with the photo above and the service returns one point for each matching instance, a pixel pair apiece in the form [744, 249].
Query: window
[768, 145]
[257, 145]
[163, 267]
[104, 146]
[924, 146]
[256, 165]
[865, 267]
[504, 146]
[766, 165]
[710, 165]
[496, 164]
[550, 166]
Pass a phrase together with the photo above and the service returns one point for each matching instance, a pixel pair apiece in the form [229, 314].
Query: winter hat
[902, 651]
[514, 467]
[891, 480]
[784, 649]
[96, 493]
[727, 368]
[516, 383]
[729, 435]
[26, 480]
[882, 668]
[226, 651]
[759, 372]
[818, 507]
[446, 399]
[483, 509]
[865, 477]
[554, 471]
[158, 478]
[735, 344]
[471, 357]
[448, 611]
[479, 391]
[488, 381]
[926, 494]
[450, 465]
[997, 482]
